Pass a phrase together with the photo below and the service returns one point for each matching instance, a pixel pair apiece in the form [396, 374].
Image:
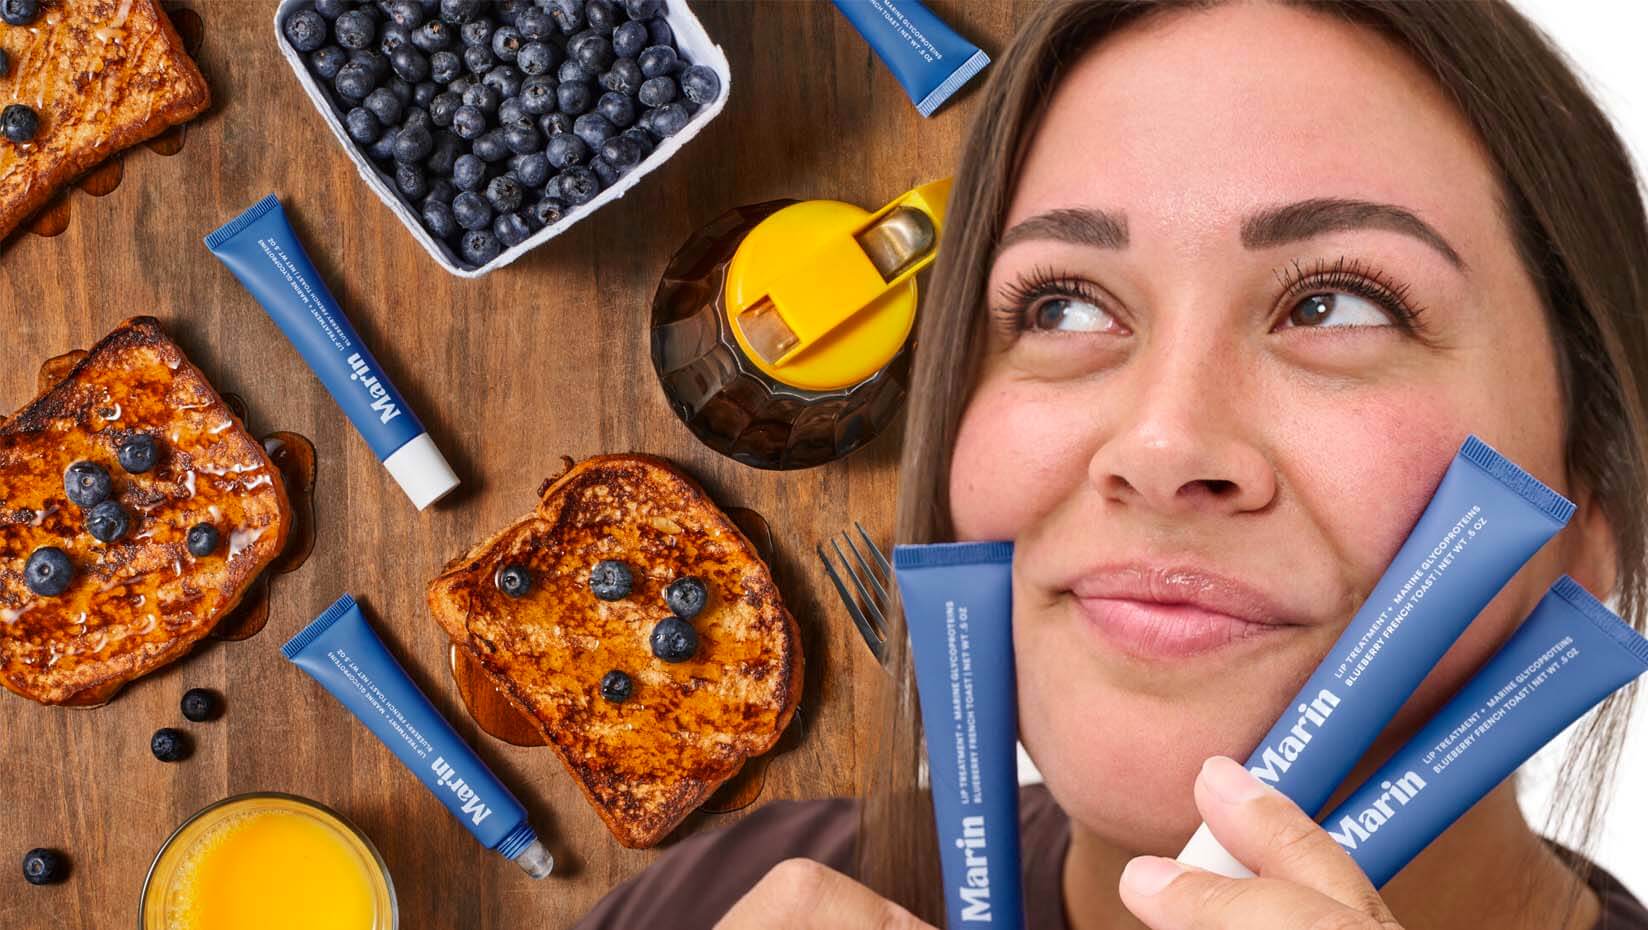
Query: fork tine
[880, 560]
[865, 630]
[881, 591]
[873, 609]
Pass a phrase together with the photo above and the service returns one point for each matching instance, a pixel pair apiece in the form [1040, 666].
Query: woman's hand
[800, 894]
[1306, 881]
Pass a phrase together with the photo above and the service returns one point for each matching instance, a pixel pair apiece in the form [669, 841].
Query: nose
[1181, 447]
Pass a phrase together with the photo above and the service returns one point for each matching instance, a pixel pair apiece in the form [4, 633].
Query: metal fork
[867, 600]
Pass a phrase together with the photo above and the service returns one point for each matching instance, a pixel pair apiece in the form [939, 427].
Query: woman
[1224, 286]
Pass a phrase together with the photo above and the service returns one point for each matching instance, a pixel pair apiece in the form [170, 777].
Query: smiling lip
[1154, 612]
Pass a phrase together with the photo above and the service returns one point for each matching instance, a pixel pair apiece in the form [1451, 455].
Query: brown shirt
[696, 883]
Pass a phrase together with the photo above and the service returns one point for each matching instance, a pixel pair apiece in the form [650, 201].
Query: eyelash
[1350, 276]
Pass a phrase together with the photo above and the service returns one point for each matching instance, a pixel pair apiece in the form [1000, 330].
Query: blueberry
[514, 580]
[424, 92]
[477, 32]
[629, 39]
[604, 171]
[48, 571]
[355, 80]
[669, 119]
[443, 107]
[328, 62]
[535, 24]
[377, 61]
[440, 189]
[468, 172]
[641, 138]
[355, 29]
[602, 16]
[511, 111]
[382, 104]
[411, 181]
[437, 218]
[384, 148]
[491, 146]
[616, 686]
[504, 194]
[478, 59]
[546, 212]
[86, 483]
[511, 229]
[362, 125]
[169, 745]
[661, 32]
[566, 150]
[611, 580]
[553, 123]
[536, 58]
[552, 191]
[657, 61]
[594, 129]
[433, 36]
[479, 247]
[393, 37]
[506, 79]
[616, 108]
[401, 88]
[674, 640]
[533, 169]
[523, 137]
[413, 143]
[571, 70]
[18, 123]
[444, 66]
[306, 30]
[138, 454]
[575, 97]
[507, 42]
[201, 540]
[538, 95]
[568, 15]
[410, 64]
[700, 84]
[459, 12]
[331, 9]
[43, 866]
[595, 55]
[19, 12]
[643, 9]
[622, 152]
[483, 97]
[445, 154]
[623, 77]
[471, 210]
[655, 92]
[461, 86]
[468, 122]
[107, 521]
[407, 14]
[199, 705]
[579, 185]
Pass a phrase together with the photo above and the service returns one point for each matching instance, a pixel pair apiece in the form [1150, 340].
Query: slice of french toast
[102, 76]
[127, 606]
[647, 758]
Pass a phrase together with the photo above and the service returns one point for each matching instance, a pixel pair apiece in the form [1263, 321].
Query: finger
[1269, 834]
[807, 895]
[1166, 895]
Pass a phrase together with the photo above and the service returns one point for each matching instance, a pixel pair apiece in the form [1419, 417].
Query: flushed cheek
[1020, 449]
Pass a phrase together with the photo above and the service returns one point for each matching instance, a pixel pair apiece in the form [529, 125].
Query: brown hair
[1568, 193]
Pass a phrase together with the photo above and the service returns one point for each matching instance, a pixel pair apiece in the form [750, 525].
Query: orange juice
[268, 862]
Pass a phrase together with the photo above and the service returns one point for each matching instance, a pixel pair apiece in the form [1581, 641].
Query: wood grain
[544, 358]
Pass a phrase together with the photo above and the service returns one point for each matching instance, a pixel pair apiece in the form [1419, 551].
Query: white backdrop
[1604, 38]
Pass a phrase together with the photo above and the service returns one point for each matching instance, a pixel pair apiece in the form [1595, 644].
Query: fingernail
[1227, 778]
[1148, 875]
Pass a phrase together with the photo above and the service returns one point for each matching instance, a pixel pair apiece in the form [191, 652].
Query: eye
[1067, 314]
[1336, 309]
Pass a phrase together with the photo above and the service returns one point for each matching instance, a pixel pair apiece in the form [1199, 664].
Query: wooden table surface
[545, 358]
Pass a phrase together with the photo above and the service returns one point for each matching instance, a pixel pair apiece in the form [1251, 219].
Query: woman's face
[1254, 290]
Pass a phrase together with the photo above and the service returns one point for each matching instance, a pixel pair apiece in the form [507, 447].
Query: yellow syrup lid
[822, 294]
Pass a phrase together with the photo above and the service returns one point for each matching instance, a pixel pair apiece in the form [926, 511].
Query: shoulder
[698, 879]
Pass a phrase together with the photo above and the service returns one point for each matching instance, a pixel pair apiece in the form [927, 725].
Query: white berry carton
[691, 41]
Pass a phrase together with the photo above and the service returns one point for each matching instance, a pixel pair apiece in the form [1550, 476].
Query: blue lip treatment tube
[261, 249]
[1569, 654]
[927, 56]
[341, 651]
[1483, 523]
[958, 604]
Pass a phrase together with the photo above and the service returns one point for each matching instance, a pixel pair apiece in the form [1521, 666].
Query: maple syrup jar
[780, 331]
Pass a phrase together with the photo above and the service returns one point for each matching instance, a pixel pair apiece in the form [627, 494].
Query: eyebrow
[1268, 228]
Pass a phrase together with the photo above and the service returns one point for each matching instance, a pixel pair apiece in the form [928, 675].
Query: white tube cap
[1205, 852]
[421, 471]
[535, 860]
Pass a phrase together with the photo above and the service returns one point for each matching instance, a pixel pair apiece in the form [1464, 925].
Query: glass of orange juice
[267, 861]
